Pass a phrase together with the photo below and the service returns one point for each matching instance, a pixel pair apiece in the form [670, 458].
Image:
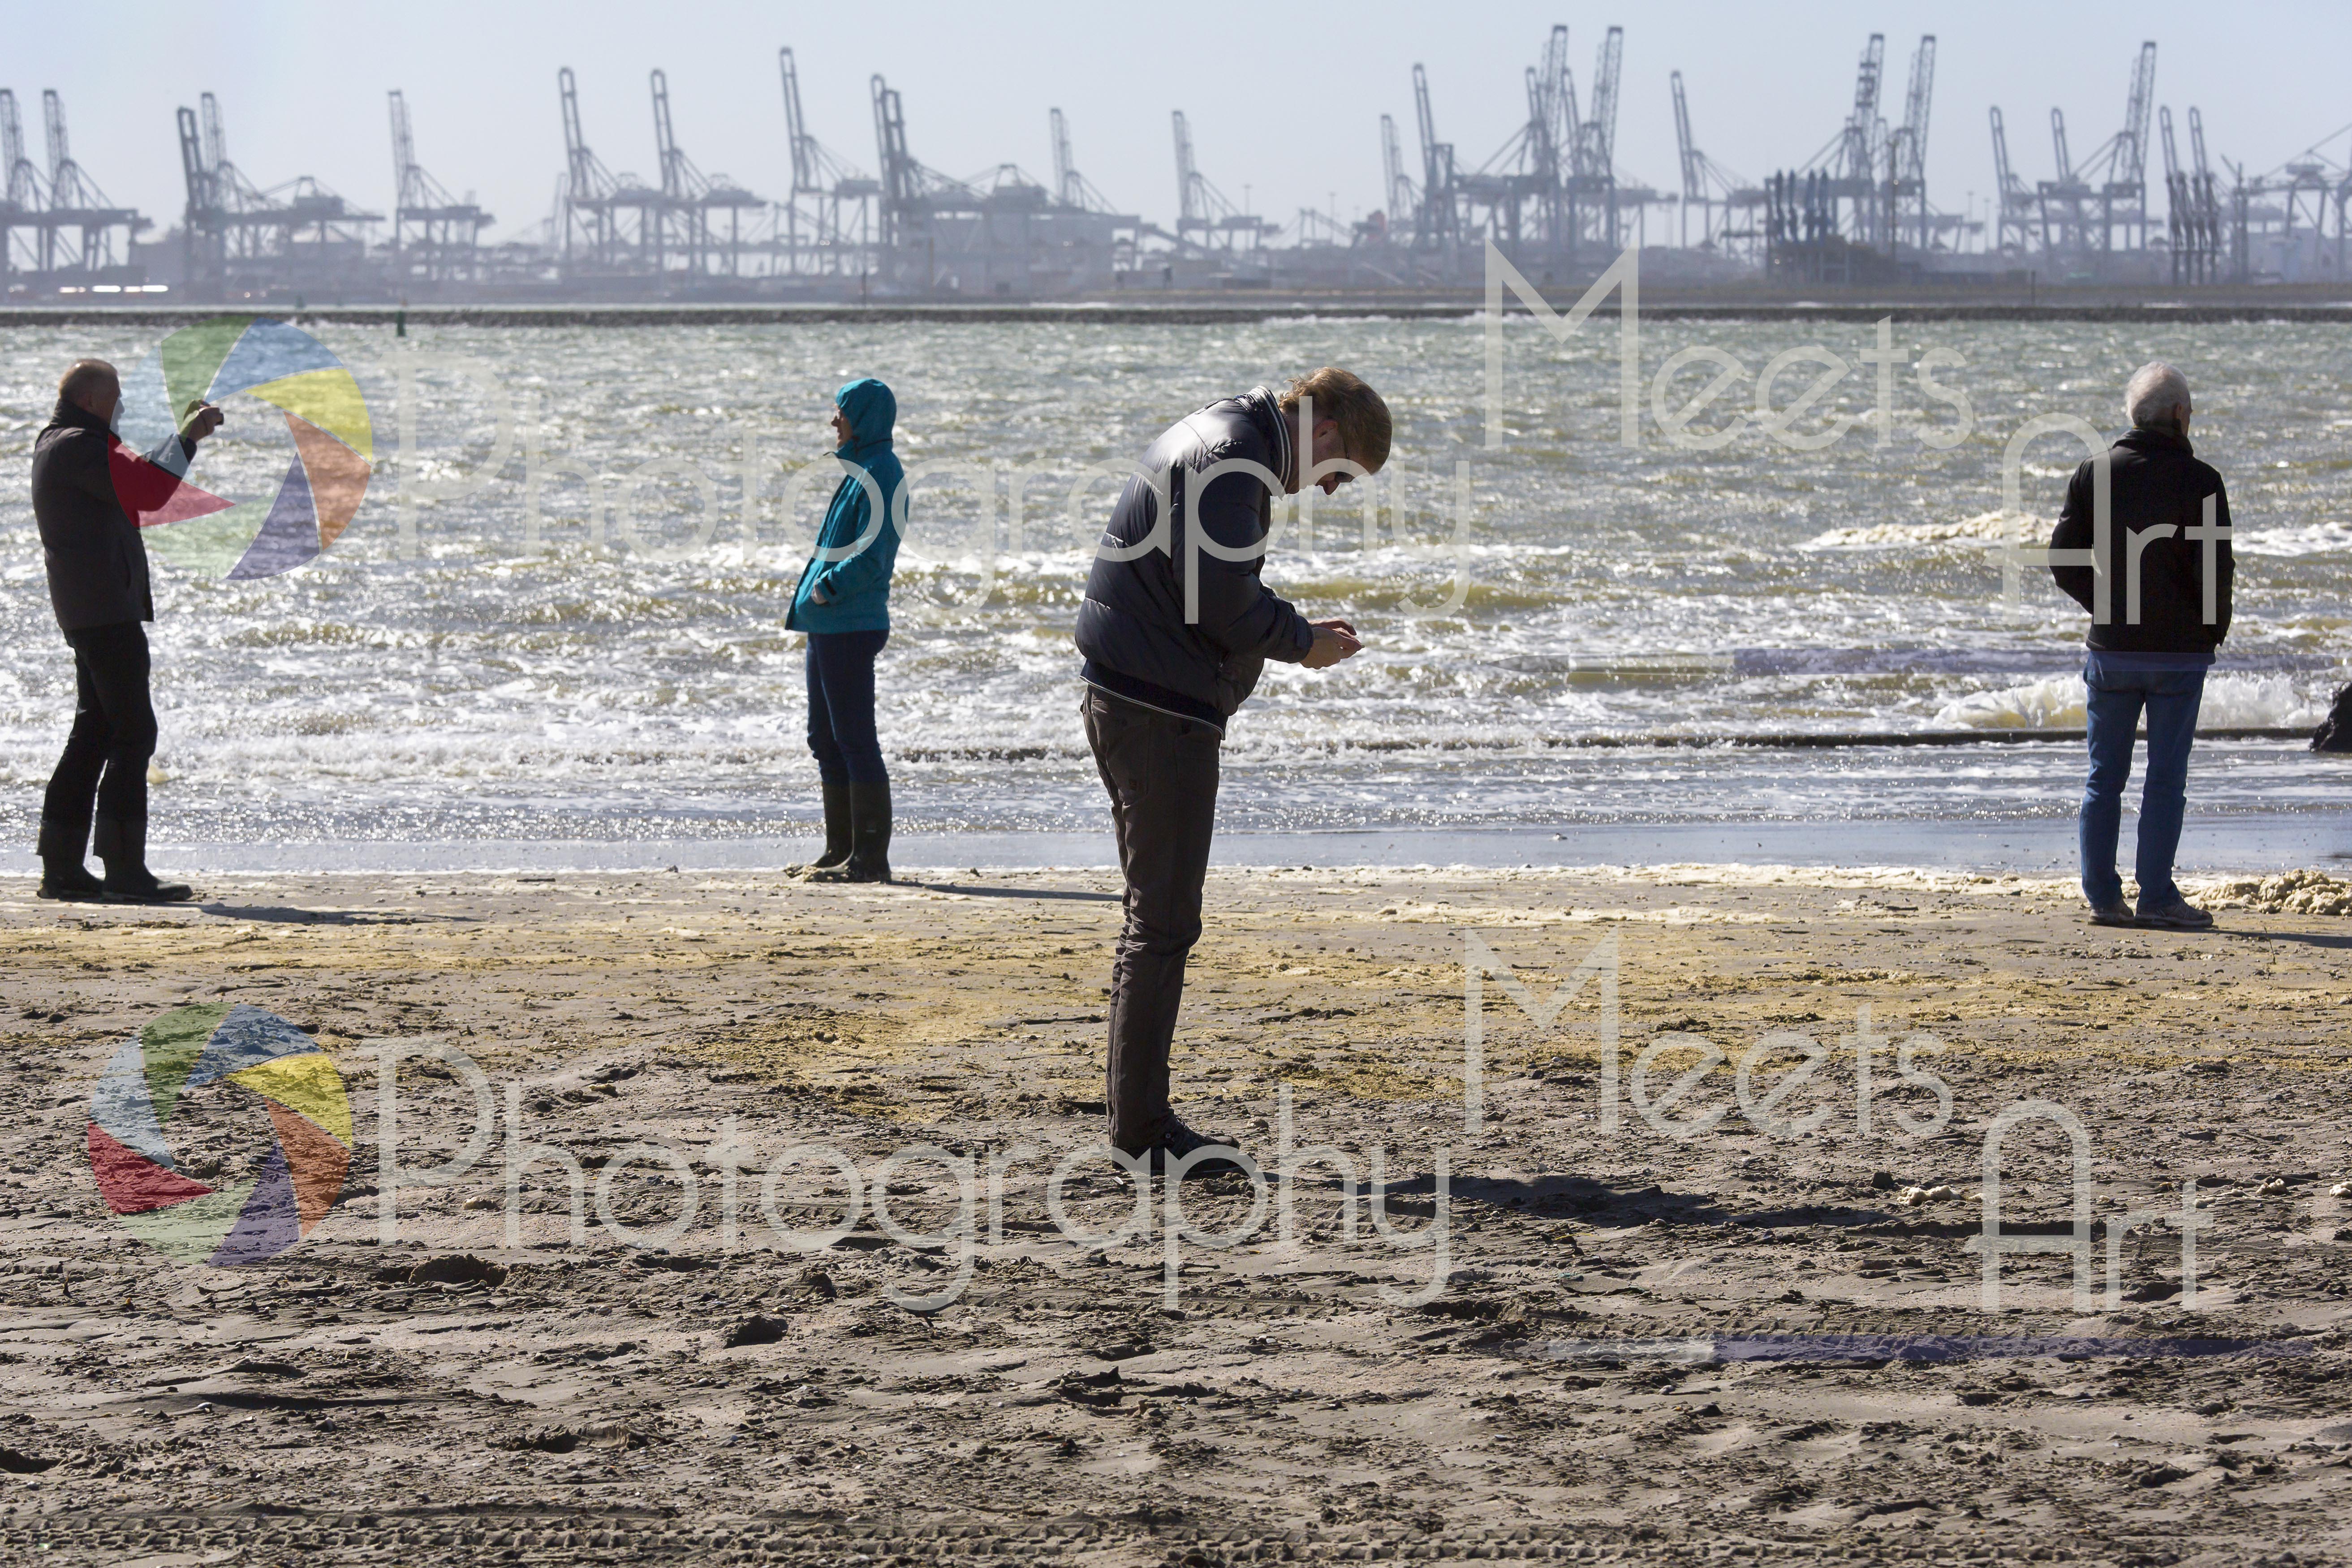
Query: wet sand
[1310, 1394]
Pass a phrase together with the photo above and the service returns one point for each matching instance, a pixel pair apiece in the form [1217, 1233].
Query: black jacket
[2157, 483]
[1132, 625]
[97, 562]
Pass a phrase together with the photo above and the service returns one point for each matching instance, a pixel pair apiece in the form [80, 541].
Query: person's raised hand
[201, 422]
[1334, 640]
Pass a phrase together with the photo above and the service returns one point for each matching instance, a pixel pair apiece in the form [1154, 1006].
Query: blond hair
[1342, 395]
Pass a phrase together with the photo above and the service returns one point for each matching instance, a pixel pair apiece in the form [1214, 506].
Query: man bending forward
[1176, 627]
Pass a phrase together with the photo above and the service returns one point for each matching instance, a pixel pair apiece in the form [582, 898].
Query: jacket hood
[872, 411]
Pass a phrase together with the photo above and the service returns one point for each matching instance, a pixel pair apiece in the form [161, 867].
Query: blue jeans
[2116, 697]
[841, 707]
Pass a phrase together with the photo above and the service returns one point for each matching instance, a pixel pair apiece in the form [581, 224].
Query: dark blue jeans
[2171, 697]
[841, 707]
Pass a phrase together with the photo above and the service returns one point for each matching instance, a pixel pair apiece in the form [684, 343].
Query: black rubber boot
[869, 838]
[838, 838]
[63, 875]
[122, 844]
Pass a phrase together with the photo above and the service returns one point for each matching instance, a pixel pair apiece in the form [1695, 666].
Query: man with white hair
[2154, 570]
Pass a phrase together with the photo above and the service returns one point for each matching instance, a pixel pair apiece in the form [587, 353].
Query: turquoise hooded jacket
[856, 550]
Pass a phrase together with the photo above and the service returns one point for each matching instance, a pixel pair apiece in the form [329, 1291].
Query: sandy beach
[1637, 1344]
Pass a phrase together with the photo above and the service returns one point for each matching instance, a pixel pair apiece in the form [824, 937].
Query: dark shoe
[144, 889]
[1176, 1140]
[836, 832]
[2119, 913]
[2177, 915]
[122, 844]
[70, 881]
[869, 838]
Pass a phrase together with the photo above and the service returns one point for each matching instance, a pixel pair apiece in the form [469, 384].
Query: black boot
[837, 838]
[63, 876]
[869, 838]
[122, 844]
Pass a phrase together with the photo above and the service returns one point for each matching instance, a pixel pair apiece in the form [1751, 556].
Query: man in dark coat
[1176, 628]
[98, 588]
[2155, 573]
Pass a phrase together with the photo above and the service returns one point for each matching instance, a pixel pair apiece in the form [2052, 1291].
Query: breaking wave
[1987, 527]
[2233, 701]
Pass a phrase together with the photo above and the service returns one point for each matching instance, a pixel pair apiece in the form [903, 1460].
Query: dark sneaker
[74, 886]
[2177, 915]
[2119, 913]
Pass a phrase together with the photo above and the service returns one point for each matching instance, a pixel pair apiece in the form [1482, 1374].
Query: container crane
[26, 199]
[2208, 198]
[216, 139]
[1396, 185]
[1909, 150]
[1859, 155]
[688, 198]
[1842, 182]
[2184, 231]
[1694, 168]
[2014, 208]
[1190, 204]
[804, 148]
[1439, 221]
[1597, 139]
[1708, 184]
[832, 198]
[1202, 208]
[1066, 189]
[1551, 137]
[2114, 174]
[591, 210]
[434, 239]
[298, 235]
[2067, 189]
[1601, 131]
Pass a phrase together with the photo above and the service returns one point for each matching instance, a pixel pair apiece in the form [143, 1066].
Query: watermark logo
[330, 446]
[220, 1134]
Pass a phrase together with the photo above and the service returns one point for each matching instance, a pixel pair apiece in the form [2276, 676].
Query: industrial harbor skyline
[1708, 105]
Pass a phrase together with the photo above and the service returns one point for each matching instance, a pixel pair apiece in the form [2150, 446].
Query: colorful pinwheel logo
[326, 480]
[178, 1124]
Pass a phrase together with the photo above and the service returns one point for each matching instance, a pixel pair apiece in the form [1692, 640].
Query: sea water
[464, 674]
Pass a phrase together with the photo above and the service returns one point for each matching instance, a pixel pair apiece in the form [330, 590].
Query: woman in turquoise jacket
[842, 603]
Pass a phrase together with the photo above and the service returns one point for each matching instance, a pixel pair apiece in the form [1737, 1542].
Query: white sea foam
[2233, 701]
[2056, 702]
[2323, 538]
[1986, 527]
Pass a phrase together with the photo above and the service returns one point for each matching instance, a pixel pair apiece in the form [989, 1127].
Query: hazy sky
[1286, 104]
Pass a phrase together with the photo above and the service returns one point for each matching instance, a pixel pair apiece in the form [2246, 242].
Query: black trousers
[104, 768]
[1161, 774]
